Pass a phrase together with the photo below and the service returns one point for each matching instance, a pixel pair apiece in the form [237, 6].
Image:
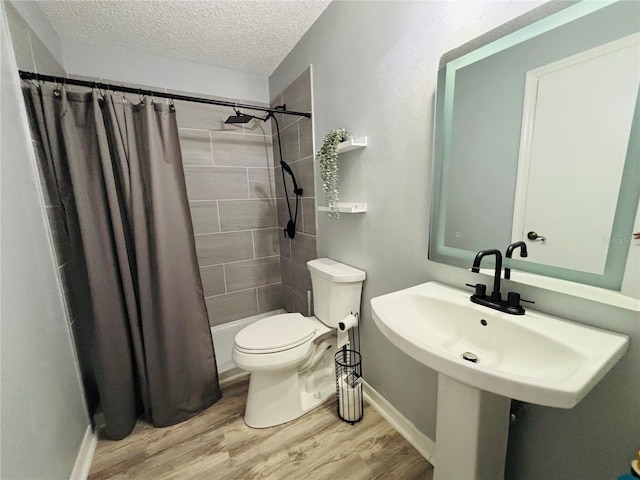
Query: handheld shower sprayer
[241, 118]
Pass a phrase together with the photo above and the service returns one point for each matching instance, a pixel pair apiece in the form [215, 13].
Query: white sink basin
[535, 358]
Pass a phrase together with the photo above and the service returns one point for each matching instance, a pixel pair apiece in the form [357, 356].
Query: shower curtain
[115, 170]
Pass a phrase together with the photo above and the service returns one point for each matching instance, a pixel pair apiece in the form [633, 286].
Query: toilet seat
[277, 333]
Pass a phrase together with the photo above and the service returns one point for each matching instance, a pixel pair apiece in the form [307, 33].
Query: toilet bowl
[289, 356]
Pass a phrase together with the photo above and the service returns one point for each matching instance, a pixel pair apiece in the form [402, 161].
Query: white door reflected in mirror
[571, 149]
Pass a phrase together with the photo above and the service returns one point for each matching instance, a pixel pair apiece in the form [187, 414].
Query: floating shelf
[353, 144]
[359, 207]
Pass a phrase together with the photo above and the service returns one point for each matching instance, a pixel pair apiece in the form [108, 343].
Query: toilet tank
[337, 289]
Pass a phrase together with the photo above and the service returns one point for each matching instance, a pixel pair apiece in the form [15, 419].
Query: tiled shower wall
[231, 188]
[298, 152]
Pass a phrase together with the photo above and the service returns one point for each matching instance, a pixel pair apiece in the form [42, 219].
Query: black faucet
[495, 295]
[512, 304]
[510, 249]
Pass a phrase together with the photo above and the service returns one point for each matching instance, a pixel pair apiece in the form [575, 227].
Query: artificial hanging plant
[328, 158]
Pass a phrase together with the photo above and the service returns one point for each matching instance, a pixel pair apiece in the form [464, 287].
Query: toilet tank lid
[336, 271]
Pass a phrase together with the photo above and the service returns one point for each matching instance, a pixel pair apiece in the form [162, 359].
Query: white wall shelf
[351, 207]
[353, 144]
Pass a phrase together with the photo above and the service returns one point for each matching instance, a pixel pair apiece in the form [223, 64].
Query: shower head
[239, 117]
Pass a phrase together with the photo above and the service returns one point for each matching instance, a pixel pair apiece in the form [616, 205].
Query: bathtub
[225, 334]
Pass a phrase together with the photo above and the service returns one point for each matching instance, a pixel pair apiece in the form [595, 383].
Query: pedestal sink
[485, 358]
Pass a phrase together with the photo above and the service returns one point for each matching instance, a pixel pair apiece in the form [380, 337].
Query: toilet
[289, 356]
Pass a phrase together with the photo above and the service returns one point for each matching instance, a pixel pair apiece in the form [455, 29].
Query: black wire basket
[350, 400]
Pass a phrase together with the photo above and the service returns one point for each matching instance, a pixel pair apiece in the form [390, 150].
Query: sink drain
[470, 357]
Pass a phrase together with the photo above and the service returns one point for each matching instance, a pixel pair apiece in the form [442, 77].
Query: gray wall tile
[236, 193]
[196, 147]
[262, 183]
[301, 104]
[295, 277]
[309, 215]
[204, 216]
[252, 273]
[277, 101]
[247, 214]
[241, 150]
[213, 280]
[303, 170]
[287, 298]
[257, 127]
[283, 211]
[303, 249]
[232, 306]
[277, 173]
[305, 133]
[270, 298]
[290, 143]
[300, 304]
[285, 246]
[300, 87]
[266, 242]
[297, 96]
[203, 116]
[213, 183]
[217, 248]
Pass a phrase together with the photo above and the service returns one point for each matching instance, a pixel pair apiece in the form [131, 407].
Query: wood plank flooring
[218, 445]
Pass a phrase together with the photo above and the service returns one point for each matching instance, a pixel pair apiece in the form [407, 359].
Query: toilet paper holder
[349, 395]
[345, 326]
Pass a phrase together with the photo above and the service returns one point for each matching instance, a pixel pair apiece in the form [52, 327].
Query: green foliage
[328, 159]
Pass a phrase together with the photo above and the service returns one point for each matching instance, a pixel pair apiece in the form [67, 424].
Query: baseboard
[231, 375]
[423, 444]
[85, 455]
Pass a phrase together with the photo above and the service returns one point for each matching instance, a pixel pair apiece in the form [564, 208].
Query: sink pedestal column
[471, 432]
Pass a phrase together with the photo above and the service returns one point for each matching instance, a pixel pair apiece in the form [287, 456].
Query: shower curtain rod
[107, 86]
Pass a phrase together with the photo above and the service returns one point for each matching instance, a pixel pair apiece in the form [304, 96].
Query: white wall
[31, 12]
[109, 63]
[122, 65]
[44, 417]
[375, 66]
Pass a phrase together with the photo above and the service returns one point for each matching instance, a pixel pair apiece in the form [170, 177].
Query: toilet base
[277, 397]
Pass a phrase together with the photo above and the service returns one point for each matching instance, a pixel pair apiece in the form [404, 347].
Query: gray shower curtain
[115, 170]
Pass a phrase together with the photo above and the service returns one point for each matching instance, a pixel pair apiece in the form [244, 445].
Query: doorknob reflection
[533, 236]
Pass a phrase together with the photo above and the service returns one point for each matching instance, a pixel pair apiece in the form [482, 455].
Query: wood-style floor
[218, 445]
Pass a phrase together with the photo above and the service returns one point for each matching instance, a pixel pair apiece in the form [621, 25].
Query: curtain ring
[172, 107]
[56, 88]
[141, 97]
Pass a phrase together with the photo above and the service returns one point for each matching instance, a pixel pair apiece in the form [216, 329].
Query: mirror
[537, 139]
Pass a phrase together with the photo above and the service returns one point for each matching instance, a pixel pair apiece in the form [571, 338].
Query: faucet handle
[481, 289]
[513, 299]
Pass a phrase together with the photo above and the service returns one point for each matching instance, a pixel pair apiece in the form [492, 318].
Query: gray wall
[44, 417]
[374, 73]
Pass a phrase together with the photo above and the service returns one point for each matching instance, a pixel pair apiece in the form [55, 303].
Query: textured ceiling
[245, 35]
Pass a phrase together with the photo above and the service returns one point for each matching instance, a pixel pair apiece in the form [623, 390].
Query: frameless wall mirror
[537, 139]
